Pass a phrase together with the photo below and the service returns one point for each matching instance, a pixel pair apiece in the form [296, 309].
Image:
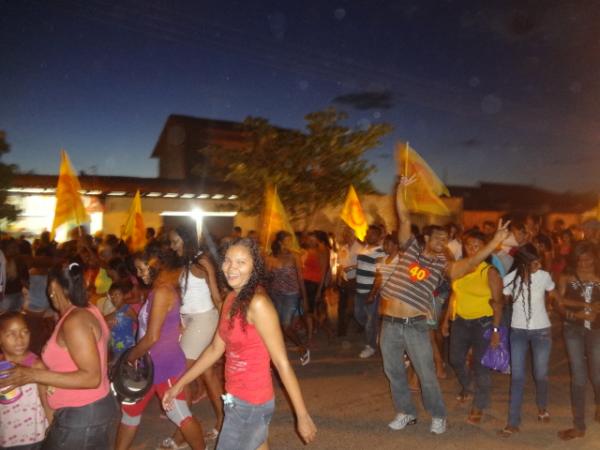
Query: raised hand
[503, 231]
[404, 181]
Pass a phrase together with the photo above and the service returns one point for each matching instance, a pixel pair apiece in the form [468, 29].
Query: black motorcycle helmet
[130, 382]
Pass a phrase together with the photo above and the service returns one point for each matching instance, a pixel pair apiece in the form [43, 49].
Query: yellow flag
[69, 207]
[134, 231]
[423, 195]
[275, 219]
[353, 214]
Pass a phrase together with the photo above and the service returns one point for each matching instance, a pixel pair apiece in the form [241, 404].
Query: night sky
[506, 92]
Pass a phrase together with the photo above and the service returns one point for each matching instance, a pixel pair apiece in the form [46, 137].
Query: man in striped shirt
[365, 312]
[407, 303]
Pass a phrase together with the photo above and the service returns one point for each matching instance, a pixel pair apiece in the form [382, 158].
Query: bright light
[154, 194]
[171, 195]
[117, 193]
[203, 213]
[197, 214]
[94, 192]
[203, 196]
[188, 195]
[217, 196]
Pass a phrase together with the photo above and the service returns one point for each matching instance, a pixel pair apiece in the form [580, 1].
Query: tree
[311, 169]
[7, 171]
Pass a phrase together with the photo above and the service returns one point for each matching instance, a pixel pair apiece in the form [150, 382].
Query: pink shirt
[24, 421]
[247, 361]
[58, 359]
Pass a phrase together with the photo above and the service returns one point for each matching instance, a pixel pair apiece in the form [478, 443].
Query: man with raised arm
[407, 304]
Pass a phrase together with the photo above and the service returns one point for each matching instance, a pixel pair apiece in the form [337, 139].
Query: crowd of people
[214, 318]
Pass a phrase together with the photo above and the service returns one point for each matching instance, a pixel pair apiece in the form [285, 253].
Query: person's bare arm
[43, 393]
[263, 316]
[402, 210]
[208, 357]
[497, 302]
[298, 265]
[460, 268]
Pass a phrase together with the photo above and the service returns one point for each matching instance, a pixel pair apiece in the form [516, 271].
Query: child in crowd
[122, 321]
[24, 414]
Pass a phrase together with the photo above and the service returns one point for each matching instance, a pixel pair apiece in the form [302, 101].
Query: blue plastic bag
[497, 358]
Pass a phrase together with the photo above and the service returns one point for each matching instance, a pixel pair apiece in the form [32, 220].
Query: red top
[312, 270]
[247, 361]
[58, 359]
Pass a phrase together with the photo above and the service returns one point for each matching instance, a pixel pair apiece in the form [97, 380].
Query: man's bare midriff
[397, 308]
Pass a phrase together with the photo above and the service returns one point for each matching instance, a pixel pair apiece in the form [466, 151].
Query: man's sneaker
[401, 421]
[367, 352]
[438, 425]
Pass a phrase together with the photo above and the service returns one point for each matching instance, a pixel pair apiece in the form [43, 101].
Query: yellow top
[102, 282]
[471, 294]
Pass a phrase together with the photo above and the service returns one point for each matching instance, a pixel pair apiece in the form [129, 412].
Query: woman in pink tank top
[76, 357]
[250, 336]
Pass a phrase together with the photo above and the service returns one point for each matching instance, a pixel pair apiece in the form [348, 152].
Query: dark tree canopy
[311, 169]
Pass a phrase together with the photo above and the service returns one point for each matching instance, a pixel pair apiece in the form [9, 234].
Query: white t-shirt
[541, 282]
[196, 297]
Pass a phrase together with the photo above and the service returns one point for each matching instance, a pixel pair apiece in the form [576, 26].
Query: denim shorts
[287, 306]
[246, 426]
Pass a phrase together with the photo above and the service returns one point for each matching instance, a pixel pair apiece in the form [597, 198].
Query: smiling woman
[250, 336]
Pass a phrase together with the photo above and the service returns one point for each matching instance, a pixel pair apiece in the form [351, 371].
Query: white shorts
[198, 332]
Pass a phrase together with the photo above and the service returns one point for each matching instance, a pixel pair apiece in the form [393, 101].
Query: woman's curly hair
[242, 300]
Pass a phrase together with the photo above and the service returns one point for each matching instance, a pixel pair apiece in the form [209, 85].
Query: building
[185, 186]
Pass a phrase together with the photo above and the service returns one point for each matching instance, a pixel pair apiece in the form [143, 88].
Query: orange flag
[69, 207]
[275, 219]
[353, 214]
[423, 196]
[134, 231]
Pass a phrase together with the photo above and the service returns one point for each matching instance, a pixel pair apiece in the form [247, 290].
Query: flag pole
[405, 167]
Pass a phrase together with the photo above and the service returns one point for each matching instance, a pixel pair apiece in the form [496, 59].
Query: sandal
[544, 417]
[464, 397]
[571, 433]
[305, 358]
[474, 417]
[507, 431]
[211, 435]
[170, 444]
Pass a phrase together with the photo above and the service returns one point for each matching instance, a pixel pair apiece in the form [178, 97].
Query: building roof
[126, 186]
[198, 126]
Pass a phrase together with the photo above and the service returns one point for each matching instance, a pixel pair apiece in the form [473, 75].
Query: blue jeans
[583, 348]
[86, 427]
[287, 306]
[412, 338]
[467, 334]
[366, 314]
[246, 426]
[541, 345]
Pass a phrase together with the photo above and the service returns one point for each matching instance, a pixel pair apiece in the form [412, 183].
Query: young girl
[23, 422]
[122, 321]
[527, 284]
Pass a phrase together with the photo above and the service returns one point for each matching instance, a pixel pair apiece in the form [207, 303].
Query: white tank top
[196, 298]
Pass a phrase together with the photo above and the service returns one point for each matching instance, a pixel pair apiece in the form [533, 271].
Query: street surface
[350, 403]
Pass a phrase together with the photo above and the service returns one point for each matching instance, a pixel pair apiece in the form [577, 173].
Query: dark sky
[508, 92]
